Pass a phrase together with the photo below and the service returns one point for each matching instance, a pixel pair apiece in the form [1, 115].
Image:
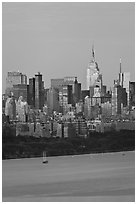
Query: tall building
[94, 76]
[53, 100]
[14, 78]
[96, 98]
[76, 92]
[87, 107]
[10, 108]
[39, 91]
[31, 90]
[65, 97]
[124, 79]
[131, 94]
[119, 99]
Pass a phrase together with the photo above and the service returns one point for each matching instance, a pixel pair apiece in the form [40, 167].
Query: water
[96, 177]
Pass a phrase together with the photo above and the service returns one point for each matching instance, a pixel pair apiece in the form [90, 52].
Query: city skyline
[56, 40]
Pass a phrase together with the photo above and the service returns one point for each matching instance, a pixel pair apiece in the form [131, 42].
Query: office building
[131, 94]
[126, 80]
[57, 83]
[39, 91]
[22, 110]
[10, 108]
[119, 99]
[106, 109]
[14, 78]
[76, 92]
[53, 100]
[87, 107]
[31, 92]
[20, 90]
[65, 98]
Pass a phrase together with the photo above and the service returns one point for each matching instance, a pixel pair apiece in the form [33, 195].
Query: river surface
[108, 177]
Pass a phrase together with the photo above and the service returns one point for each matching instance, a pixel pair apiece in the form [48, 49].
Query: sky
[56, 39]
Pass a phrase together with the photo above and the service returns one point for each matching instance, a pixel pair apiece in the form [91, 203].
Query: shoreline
[76, 155]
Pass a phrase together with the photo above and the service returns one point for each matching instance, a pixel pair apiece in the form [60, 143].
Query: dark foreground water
[94, 177]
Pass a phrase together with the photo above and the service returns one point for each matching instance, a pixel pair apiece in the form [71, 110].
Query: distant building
[76, 92]
[96, 98]
[20, 90]
[123, 80]
[39, 91]
[53, 100]
[79, 107]
[10, 108]
[70, 81]
[31, 90]
[14, 78]
[104, 88]
[67, 86]
[126, 80]
[65, 97]
[87, 107]
[131, 94]
[84, 93]
[46, 95]
[106, 109]
[22, 110]
[119, 99]
[94, 76]
[57, 83]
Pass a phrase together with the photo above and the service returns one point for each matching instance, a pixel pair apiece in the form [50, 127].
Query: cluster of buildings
[65, 103]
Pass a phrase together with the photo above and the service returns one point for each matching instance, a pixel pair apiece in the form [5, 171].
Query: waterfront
[92, 177]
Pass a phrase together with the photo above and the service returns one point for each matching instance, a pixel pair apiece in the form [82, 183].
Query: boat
[45, 161]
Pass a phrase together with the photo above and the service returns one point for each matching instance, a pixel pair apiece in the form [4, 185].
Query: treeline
[24, 146]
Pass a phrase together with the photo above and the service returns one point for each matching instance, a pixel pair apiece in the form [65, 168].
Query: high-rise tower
[94, 78]
[39, 91]
[124, 79]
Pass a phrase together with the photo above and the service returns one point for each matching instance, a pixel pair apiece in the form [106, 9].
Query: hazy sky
[56, 39]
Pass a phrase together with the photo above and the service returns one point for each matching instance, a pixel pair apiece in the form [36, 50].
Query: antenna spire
[93, 53]
[120, 65]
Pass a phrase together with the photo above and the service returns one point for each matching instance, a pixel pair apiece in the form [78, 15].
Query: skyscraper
[132, 94]
[39, 91]
[65, 97]
[94, 76]
[31, 90]
[53, 100]
[124, 79]
[119, 99]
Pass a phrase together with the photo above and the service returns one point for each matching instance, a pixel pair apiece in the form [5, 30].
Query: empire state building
[94, 78]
